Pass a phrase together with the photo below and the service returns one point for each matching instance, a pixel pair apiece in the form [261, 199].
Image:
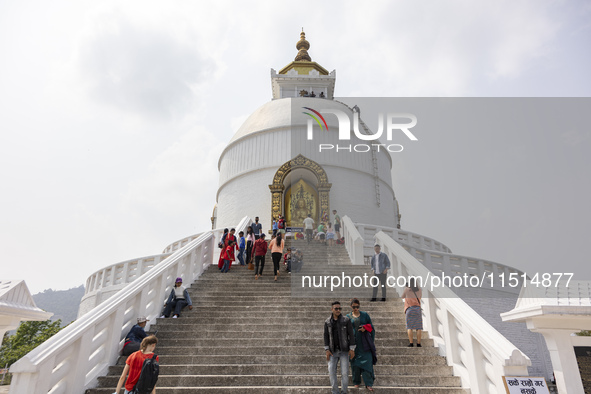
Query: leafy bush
[29, 335]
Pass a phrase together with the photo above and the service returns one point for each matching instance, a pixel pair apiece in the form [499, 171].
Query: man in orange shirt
[134, 363]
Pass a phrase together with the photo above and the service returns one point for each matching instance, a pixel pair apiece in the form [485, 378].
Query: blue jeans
[226, 266]
[332, 372]
[178, 306]
[240, 256]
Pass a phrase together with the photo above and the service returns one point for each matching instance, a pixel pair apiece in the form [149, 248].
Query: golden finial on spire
[302, 46]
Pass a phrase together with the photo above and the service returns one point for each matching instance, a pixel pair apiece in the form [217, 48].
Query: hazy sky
[113, 116]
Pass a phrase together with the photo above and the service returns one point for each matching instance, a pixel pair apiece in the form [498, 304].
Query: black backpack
[148, 376]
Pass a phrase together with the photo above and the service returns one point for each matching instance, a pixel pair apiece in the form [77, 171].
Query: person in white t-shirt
[178, 299]
[309, 227]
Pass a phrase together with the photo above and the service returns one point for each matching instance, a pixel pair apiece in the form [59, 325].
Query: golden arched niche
[301, 199]
[315, 185]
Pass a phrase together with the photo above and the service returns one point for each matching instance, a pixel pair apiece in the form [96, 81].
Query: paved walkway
[4, 389]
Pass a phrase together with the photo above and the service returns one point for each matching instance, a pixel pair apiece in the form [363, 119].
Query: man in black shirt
[339, 343]
[257, 228]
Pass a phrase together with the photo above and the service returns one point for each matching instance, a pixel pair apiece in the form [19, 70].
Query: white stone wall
[247, 195]
[353, 194]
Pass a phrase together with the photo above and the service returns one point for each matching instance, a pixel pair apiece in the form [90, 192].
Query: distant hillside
[63, 303]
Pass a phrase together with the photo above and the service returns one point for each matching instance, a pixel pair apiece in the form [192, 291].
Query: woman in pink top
[412, 308]
[276, 246]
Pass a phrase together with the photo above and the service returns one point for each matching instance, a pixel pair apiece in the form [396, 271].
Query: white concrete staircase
[247, 336]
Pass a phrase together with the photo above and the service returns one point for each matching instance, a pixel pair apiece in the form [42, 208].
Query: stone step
[281, 342]
[291, 390]
[256, 299]
[277, 292]
[262, 317]
[298, 305]
[238, 330]
[306, 270]
[257, 348]
[312, 333]
[285, 380]
[412, 358]
[285, 369]
[321, 315]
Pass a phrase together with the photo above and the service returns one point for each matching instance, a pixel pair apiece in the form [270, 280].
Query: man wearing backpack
[133, 367]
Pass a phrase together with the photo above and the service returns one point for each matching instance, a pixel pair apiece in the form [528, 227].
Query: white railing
[433, 255]
[73, 359]
[122, 273]
[180, 243]
[478, 353]
[105, 282]
[368, 231]
[353, 241]
[455, 265]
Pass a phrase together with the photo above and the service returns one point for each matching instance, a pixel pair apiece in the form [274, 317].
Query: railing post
[113, 270]
[80, 360]
[447, 265]
[475, 363]
[125, 273]
[427, 261]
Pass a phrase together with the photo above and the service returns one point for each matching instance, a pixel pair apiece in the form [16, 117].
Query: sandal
[369, 388]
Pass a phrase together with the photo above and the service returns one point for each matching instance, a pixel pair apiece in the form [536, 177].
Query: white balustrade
[438, 258]
[368, 231]
[180, 243]
[105, 282]
[478, 353]
[353, 240]
[122, 273]
[73, 359]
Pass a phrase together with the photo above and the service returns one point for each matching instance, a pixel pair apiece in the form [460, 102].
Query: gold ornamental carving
[320, 210]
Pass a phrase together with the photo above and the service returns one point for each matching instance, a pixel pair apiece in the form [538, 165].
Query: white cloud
[142, 69]
[115, 112]
[181, 180]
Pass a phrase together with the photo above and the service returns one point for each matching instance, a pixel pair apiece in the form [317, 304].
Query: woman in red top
[228, 254]
[223, 244]
[134, 363]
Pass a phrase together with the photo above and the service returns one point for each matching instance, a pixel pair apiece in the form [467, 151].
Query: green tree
[29, 335]
[584, 333]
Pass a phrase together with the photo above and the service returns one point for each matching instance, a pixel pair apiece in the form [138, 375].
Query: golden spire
[302, 46]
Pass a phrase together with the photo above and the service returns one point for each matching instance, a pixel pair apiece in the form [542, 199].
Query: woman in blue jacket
[364, 360]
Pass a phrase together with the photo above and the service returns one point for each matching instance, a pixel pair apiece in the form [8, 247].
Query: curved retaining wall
[105, 282]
